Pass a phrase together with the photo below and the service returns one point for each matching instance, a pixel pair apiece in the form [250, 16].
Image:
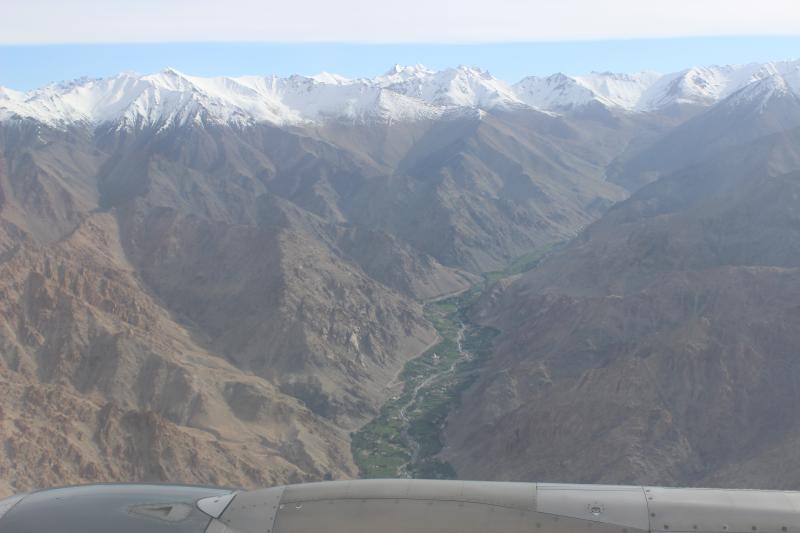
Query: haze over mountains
[660, 345]
[217, 280]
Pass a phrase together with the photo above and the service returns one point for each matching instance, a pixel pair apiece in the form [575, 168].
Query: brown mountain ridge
[223, 305]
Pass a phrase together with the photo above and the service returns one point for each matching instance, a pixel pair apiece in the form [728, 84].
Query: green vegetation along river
[406, 436]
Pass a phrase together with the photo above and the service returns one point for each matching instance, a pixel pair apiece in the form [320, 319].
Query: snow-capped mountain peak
[330, 78]
[556, 92]
[560, 92]
[400, 73]
[453, 87]
[403, 93]
[761, 93]
[618, 90]
[646, 91]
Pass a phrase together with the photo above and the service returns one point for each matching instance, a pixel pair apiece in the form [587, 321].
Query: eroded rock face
[144, 341]
[100, 383]
[660, 346]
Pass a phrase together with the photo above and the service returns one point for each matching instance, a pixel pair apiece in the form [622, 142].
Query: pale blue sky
[24, 67]
[52, 40]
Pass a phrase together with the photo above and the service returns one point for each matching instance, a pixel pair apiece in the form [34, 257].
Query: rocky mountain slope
[143, 340]
[217, 280]
[660, 345]
[770, 104]
[180, 293]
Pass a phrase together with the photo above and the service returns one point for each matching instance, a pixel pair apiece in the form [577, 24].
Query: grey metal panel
[428, 516]
[398, 516]
[720, 510]
[379, 488]
[316, 491]
[516, 495]
[252, 512]
[368, 488]
[110, 508]
[217, 527]
[620, 505]
[388, 516]
[793, 497]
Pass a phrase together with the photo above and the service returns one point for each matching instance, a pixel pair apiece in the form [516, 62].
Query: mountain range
[217, 280]
[404, 93]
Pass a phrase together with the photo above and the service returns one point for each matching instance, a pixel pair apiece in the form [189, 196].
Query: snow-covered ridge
[647, 91]
[168, 97]
[760, 94]
[560, 92]
[404, 93]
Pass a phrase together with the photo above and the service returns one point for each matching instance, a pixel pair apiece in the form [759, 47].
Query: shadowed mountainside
[659, 346]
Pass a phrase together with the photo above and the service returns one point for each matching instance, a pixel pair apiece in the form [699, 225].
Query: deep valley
[260, 280]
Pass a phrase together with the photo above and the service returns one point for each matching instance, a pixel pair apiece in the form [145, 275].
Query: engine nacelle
[401, 506]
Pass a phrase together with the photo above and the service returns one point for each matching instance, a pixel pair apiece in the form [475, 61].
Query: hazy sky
[29, 66]
[57, 21]
[43, 41]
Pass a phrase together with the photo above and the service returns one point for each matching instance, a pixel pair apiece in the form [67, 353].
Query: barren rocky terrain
[660, 346]
[209, 285]
[215, 305]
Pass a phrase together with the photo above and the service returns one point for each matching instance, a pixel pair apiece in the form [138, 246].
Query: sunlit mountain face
[249, 281]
